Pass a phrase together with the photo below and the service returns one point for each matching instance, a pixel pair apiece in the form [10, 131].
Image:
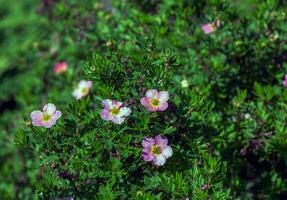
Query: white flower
[83, 89]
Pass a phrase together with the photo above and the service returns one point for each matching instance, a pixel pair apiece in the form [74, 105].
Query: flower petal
[117, 104]
[159, 160]
[48, 124]
[49, 108]
[145, 101]
[118, 120]
[107, 103]
[105, 115]
[163, 106]
[152, 93]
[124, 111]
[147, 156]
[89, 84]
[57, 115]
[36, 115]
[163, 96]
[161, 141]
[85, 84]
[37, 123]
[147, 142]
[167, 152]
[77, 94]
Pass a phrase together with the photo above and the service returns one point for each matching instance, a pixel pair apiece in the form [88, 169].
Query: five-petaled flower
[47, 118]
[83, 89]
[155, 101]
[60, 67]
[114, 111]
[285, 81]
[156, 150]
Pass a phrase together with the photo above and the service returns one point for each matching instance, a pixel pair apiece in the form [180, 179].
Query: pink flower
[156, 150]
[285, 81]
[113, 111]
[83, 89]
[47, 118]
[208, 28]
[155, 101]
[60, 67]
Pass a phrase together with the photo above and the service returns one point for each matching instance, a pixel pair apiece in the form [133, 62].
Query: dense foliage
[222, 63]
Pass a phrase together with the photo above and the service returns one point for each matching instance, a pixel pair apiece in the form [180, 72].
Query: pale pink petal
[151, 108]
[48, 124]
[49, 108]
[152, 93]
[77, 94]
[163, 96]
[147, 157]
[118, 120]
[84, 84]
[159, 160]
[107, 103]
[37, 122]
[36, 115]
[161, 141]
[117, 104]
[148, 142]
[163, 106]
[167, 152]
[145, 101]
[105, 115]
[89, 84]
[124, 111]
[57, 115]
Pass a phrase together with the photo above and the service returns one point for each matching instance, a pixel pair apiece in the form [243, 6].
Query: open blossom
[114, 111]
[156, 150]
[285, 81]
[83, 89]
[210, 27]
[47, 118]
[155, 101]
[60, 67]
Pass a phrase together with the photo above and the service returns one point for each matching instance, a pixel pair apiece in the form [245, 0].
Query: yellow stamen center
[155, 150]
[155, 102]
[46, 117]
[114, 111]
[85, 91]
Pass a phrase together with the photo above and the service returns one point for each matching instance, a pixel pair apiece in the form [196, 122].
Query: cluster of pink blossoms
[154, 149]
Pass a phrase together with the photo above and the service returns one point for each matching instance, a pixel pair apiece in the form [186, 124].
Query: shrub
[222, 63]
